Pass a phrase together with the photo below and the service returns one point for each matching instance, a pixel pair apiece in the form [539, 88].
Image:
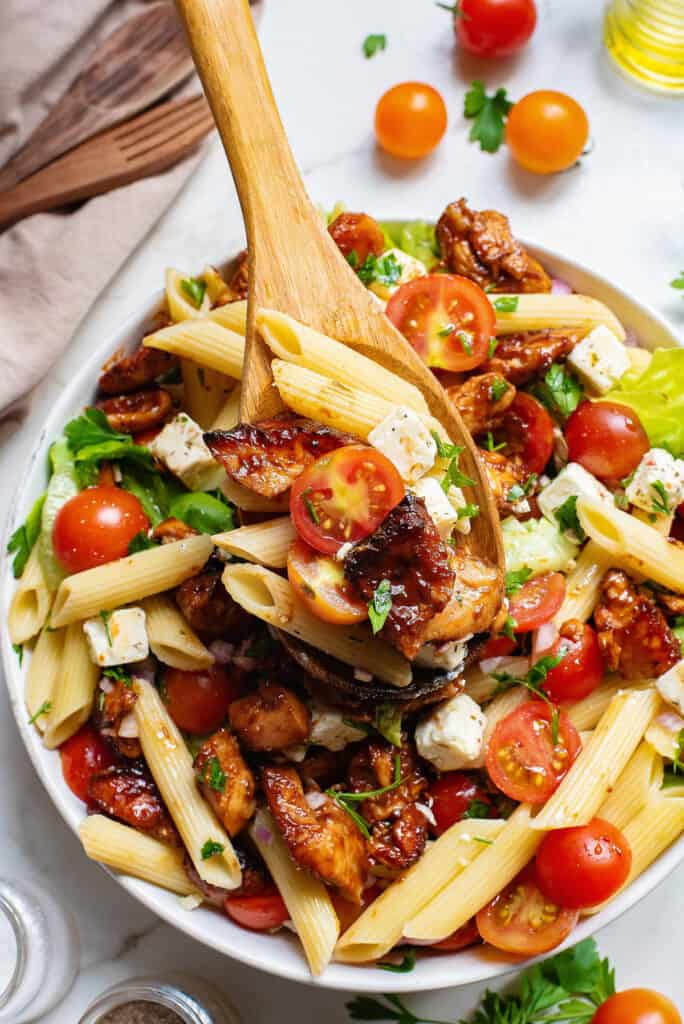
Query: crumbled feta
[410, 269]
[440, 507]
[573, 481]
[452, 736]
[670, 686]
[329, 729]
[448, 656]
[117, 638]
[599, 360]
[658, 482]
[342, 552]
[180, 446]
[403, 438]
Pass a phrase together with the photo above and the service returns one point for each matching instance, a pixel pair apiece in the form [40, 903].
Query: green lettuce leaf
[414, 237]
[657, 396]
[536, 544]
[63, 485]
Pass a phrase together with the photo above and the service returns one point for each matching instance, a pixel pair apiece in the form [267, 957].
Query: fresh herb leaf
[498, 388]
[353, 259]
[407, 964]
[678, 630]
[567, 517]
[141, 542]
[154, 491]
[195, 290]
[106, 616]
[380, 605]
[101, 700]
[678, 282]
[121, 675]
[661, 504]
[214, 774]
[383, 269]
[203, 511]
[620, 500]
[453, 476]
[387, 722]
[493, 345]
[559, 391]
[491, 446]
[44, 709]
[91, 440]
[520, 491]
[466, 340]
[533, 681]
[446, 331]
[373, 44]
[506, 304]
[489, 114]
[310, 507]
[347, 800]
[481, 839]
[468, 511]
[516, 578]
[211, 848]
[24, 537]
[677, 763]
[509, 627]
[477, 809]
[19, 651]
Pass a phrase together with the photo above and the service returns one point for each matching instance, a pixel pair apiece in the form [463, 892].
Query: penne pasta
[204, 342]
[178, 302]
[43, 672]
[170, 763]
[538, 311]
[307, 900]
[639, 782]
[133, 853]
[232, 316]
[30, 602]
[171, 638]
[583, 584]
[271, 598]
[496, 711]
[129, 579]
[250, 501]
[662, 524]
[266, 543]
[586, 713]
[73, 690]
[228, 415]
[204, 392]
[600, 763]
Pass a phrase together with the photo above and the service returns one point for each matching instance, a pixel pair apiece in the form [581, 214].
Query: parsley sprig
[347, 800]
[488, 114]
[515, 579]
[559, 391]
[661, 503]
[24, 537]
[380, 605]
[533, 681]
[567, 517]
[383, 269]
[506, 304]
[678, 282]
[91, 440]
[195, 289]
[374, 43]
[454, 477]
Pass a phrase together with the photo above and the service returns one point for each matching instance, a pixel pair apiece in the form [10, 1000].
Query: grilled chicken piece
[171, 529]
[239, 281]
[477, 403]
[502, 474]
[270, 719]
[672, 603]
[268, 457]
[479, 245]
[522, 357]
[113, 709]
[474, 602]
[122, 374]
[406, 549]
[225, 780]
[399, 842]
[208, 607]
[320, 835]
[633, 634]
[133, 413]
[129, 795]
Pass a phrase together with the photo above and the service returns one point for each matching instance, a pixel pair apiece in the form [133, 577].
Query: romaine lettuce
[536, 544]
[657, 396]
[414, 237]
[63, 485]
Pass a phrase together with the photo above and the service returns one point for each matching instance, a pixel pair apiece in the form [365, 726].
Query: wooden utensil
[143, 60]
[294, 265]
[143, 146]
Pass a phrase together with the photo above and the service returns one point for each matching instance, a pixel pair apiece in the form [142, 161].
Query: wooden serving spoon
[294, 265]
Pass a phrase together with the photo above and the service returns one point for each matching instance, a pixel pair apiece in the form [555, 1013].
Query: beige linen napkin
[53, 265]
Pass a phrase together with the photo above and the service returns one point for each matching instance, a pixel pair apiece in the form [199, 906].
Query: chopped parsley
[119, 674]
[481, 839]
[567, 517]
[559, 391]
[466, 340]
[509, 627]
[620, 500]
[309, 506]
[383, 269]
[661, 504]
[533, 681]
[44, 709]
[24, 537]
[141, 542]
[373, 44]
[506, 304]
[347, 800]
[211, 848]
[101, 700]
[493, 345]
[488, 114]
[491, 446]
[515, 579]
[499, 388]
[446, 331]
[407, 964]
[678, 282]
[677, 763]
[468, 511]
[520, 491]
[678, 630]
[477, 809]
[453, 477]
[214, 775]
[380, 605]
[19, 651]
[195, 290]
[106, 616]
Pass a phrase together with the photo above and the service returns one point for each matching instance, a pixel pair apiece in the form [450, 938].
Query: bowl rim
[265, 952]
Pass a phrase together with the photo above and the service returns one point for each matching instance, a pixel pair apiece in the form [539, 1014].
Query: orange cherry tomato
[537, 601]
[546, 131]
[321, 584]
[448, 320]
[522, 759]
[344, 496]
[258, 913]
[198, 701]
[359, 234]
[96, 526]
[410, 120]
[521, 921]
[583, 866]
[637, 1006]
[83, 754]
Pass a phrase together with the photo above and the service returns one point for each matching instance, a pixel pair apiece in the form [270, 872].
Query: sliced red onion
[670, 720]
[106, 685]
[560, 287]
[223, 651]
[543, 638]
[631, 340]
[128, 727]
[263, 834]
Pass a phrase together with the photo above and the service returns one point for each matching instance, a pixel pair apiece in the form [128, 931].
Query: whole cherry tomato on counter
[494, 28]
[96, 526]
[410, 120]
[637, 1006]
[546, 131]
[583, 866]
[607, 438]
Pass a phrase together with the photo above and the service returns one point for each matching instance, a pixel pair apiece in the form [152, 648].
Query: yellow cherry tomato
[410, 120]
[546, 131]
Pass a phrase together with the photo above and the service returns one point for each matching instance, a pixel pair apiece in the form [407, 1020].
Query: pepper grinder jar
[173, 998]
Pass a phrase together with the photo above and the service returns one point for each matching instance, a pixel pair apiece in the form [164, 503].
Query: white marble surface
[620, 212]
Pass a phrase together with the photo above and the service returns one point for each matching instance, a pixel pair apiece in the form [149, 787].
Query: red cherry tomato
[359, 234]
[453, 794]
[258, 913]
[522, 759]
[344, 496]
[83, 754]
[546, 131]
[637, 1006]
[448, 320]
[521, 921]
[581, 670]
[497, 647]
[528, 432]
[465, 936]
[410, 120]
[583, 866]
[606, 438]
[494, 28]
[96, 526]
[537, 601]
[321, 584]
[198, 701]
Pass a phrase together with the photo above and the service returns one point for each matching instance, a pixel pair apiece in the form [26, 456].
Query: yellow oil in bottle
[645, 38]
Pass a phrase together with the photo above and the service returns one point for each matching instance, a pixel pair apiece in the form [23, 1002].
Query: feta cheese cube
[453, 735]
[403, 438]
[410, 269]
[328, 728]
[670, 686]
[440, 507]
[573, 481]
[599, 360]
[657, 484]
[448, 656]
[180, 446]
[117, 638]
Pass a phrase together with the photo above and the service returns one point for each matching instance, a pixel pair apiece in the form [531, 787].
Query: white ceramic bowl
[280, 954]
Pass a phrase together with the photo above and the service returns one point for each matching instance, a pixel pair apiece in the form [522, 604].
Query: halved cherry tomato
[321, 584]
[410, 120]
[464, 936]
[637, 1006]
[520, 920]
[522, 759]
[258, 913]
[528, 432]
[357, 233]
[494, 28]
[96, 526]
[583, 866]
[537, 601]
[198, 701]
[546, 131]
[344, 496]
[607, 438]
[454, 794]
[581, 669]
[83, 754]
[448, 320]
[498, 646]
